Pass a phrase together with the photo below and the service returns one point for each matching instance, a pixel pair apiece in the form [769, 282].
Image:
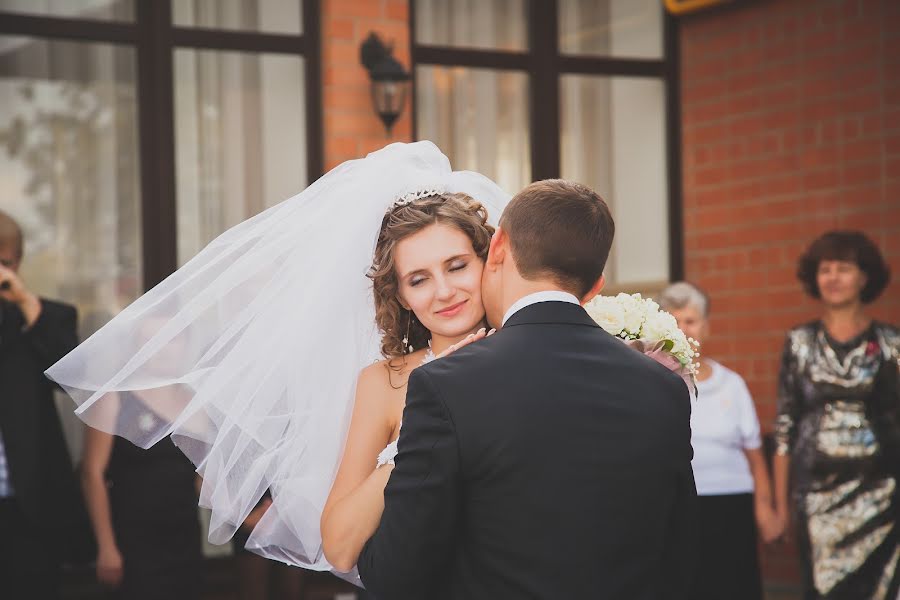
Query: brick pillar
[352, 128]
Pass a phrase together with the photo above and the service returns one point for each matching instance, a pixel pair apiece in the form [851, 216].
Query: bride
[248, 356]
[427, 284]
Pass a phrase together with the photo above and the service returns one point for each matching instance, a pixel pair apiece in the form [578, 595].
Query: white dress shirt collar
[548, 296]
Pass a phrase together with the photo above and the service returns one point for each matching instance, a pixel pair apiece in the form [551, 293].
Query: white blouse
[723, 425]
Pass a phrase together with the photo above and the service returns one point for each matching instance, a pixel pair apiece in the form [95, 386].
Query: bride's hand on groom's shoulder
[472, 337]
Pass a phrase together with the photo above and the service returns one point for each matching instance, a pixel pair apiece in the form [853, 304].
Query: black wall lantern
[390, 81]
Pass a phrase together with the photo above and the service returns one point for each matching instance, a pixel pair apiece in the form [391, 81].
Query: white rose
[608, 314]
[635, 312]
[683, 347]
[659, 326]
[680, 344]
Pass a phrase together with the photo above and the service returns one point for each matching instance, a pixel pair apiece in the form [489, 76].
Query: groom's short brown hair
[559, 230]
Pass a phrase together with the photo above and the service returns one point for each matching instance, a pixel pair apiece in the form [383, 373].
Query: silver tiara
[405, 200]
[410, 197]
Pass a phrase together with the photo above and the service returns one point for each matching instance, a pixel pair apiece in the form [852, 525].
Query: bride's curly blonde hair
[456, 210]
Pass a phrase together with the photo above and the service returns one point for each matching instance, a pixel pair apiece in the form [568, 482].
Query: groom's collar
[543, 296]
[551, 312]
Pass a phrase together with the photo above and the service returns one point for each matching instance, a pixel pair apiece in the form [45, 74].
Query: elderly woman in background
[837, 428]
[730, 471]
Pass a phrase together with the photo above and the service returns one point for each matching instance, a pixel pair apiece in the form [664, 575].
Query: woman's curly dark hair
[456, 210]
[851, 246]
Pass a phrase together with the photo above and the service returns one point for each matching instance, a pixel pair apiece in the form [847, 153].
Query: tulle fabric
[248, 355]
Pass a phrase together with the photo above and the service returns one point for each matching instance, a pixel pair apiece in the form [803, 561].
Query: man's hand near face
[12, 289]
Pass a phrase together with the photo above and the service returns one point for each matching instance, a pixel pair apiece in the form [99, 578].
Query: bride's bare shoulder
[389, 374]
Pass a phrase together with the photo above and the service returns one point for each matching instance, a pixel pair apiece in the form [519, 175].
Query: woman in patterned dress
[838, 427]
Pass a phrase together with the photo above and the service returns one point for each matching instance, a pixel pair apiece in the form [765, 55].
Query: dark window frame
[155, 38]
[545, 64]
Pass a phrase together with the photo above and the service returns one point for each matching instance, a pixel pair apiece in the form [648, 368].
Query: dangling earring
[407, 347]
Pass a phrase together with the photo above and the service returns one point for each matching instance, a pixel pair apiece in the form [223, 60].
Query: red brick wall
[791, 127]
[352, 128]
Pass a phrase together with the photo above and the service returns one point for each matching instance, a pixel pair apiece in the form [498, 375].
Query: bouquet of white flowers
[641, 324]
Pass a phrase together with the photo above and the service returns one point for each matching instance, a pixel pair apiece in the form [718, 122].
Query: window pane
[494, 24]
[69, 170]
[478, 118]
[270, 16]
[117, 10]
[614, 140]
[240, 135]
[622, 28]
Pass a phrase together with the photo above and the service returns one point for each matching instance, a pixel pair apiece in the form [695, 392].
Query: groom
[548, 460]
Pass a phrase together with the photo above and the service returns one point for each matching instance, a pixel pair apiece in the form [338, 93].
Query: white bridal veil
[248, 355]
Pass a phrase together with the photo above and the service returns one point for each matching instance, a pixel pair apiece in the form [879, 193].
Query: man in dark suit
[39, 498]
[548, 460]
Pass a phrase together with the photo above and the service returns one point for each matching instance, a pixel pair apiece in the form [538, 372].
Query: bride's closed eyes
[453, 264]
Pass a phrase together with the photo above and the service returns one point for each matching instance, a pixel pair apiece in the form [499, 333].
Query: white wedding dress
[248, 355]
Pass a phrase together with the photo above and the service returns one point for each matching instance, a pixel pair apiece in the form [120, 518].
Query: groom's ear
[497, 249]
[594, 290]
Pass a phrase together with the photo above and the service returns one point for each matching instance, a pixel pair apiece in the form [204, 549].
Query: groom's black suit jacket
[546, 461]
